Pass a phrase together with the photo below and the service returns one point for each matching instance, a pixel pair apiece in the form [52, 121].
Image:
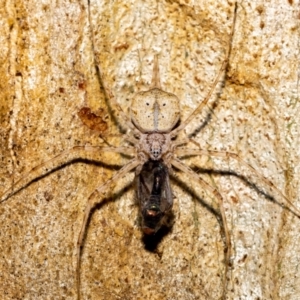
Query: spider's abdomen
[155, 111]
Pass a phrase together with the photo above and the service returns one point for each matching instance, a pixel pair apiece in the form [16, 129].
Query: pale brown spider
[152, 133]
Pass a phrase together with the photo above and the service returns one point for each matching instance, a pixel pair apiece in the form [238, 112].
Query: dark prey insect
[154, 195]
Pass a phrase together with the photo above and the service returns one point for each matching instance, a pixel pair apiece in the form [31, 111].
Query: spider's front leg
[95, 198]
[228, 249]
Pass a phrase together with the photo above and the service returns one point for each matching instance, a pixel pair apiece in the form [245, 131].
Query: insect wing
[154, 195]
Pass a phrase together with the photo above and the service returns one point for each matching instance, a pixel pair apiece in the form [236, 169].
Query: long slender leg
[179, 165]
[62, 158]
[94, 199]
[228, 155]
[213, 86]
[108, 92]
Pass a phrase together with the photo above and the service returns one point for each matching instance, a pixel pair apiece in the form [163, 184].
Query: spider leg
[108, 92]
[93, 200]
[55, 162]
[213, 86]
[179, 165]
[228, 155]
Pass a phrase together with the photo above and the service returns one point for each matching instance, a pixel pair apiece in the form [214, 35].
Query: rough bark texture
[47, 73]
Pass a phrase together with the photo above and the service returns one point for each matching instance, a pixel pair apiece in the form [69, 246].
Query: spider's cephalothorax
[154, 145]
[154, 195]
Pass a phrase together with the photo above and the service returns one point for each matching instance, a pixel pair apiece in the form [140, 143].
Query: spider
[151, 132]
